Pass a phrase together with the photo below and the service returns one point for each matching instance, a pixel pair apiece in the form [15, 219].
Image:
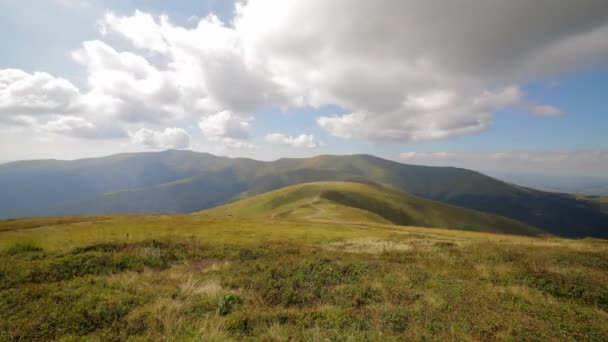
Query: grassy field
[202, 277]
[365, 203]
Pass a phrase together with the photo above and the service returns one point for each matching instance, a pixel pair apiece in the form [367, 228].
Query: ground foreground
[193, 277]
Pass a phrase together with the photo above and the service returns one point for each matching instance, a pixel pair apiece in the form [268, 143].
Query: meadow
[202, 277]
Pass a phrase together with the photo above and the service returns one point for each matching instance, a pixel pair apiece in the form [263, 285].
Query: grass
[22, 247]
[365, 203]
[205, 277]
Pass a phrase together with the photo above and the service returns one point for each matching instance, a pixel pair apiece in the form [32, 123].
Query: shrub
[226, 303]
[71, 266]
[574, 287]
[361, 295]
[76, 307]
[22, 247]
[396, 320]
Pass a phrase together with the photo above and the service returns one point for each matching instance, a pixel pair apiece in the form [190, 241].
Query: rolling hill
[186, 181]
[365, 203]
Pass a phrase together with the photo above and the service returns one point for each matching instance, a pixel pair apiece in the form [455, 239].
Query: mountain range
[187, 181]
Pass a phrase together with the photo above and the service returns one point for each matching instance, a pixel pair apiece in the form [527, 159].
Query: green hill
[186, 181]
[365, 203]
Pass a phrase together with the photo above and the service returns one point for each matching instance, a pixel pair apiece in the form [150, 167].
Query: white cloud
[394, 80]
[228, 129]
[22, 93]
[408, 155]
[69, 125]
[404, 83]
[411, 156]
[142, 29]
[234, 144]
[169, 138]
[49, 105]
[543, 110]
[422, 116]
[299, 141]
[225, 124]
[128, 87]
[208, 60]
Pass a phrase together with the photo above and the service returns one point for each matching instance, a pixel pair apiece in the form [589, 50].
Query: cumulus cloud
[142, 29]
[299, 141]
[68, 124]
[49, 105]
[225, 124]
[22, 93]
[128, 87]
[396, 77]
[171, 137]
[405, 80]
[433, 115]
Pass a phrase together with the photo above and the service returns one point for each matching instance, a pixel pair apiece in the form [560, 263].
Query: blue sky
[287, 80]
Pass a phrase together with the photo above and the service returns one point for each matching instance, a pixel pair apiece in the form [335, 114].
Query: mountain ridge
[131, 182]
[358, 203]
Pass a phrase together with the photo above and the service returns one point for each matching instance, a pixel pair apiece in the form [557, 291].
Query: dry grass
[228, 279]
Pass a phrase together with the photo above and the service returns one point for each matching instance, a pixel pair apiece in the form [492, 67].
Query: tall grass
[219, 279]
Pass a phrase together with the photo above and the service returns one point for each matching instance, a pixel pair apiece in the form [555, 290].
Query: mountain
[186, 181]
[588, 185]
[365, 203]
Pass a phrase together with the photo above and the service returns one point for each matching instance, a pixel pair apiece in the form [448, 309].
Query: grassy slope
[600, 202]
[187, 277]
[184, 181]
[356, 202]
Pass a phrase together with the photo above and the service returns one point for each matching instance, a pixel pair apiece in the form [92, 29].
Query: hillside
[364, 203]
[185, 181]
[202, 277]
[600, 202]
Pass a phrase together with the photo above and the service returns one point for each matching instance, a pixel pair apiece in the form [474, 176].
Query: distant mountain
[185, 181]
[597, 186]
[359, 203]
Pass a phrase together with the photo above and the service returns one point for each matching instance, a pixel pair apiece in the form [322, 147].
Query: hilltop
[186, 182]
[364, 203]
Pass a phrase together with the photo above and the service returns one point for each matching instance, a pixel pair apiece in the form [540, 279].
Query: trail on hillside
[308, 217]
[319, 209]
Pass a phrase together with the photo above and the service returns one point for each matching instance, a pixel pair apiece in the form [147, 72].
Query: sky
[511, 86]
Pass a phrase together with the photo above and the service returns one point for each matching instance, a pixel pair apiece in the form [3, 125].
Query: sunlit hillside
[365, 203]
[221, 278]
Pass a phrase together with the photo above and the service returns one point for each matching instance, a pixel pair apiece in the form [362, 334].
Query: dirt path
[320, 210]
[308, 217]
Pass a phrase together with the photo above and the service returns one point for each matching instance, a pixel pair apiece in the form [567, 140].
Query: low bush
[22, 247]
[226, 303]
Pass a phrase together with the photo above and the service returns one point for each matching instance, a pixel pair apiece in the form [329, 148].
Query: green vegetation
[213, 278]
[22, 247]
[186, 182]
[600, 202]
[365, 203]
